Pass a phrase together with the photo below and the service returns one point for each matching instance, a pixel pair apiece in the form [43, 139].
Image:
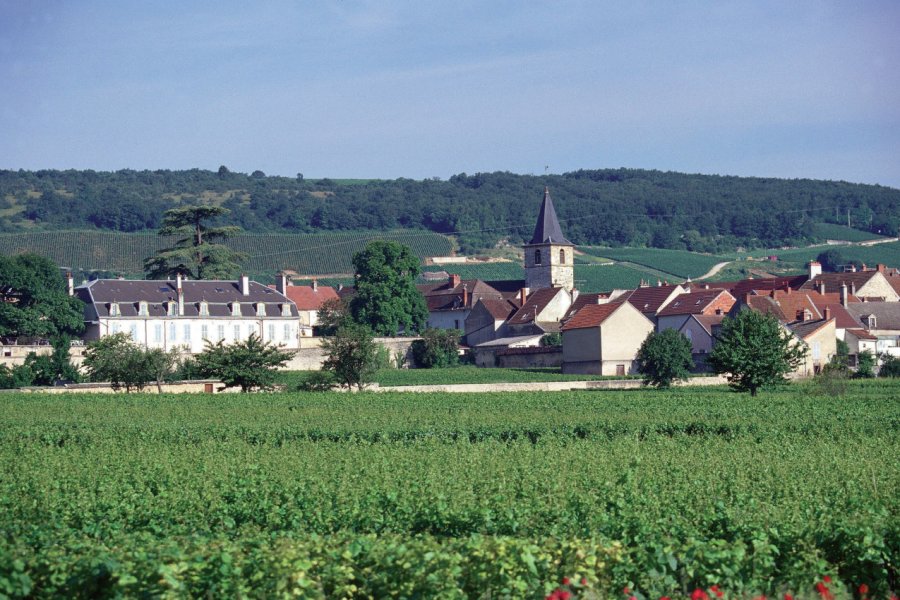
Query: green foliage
[15, 377]
[551, 340]
[316, 381]
[333, 313]
[890, 367]
[456, 495]
[387, 300]
[865, 365]
[47, 369]
[34, 301]
[351, 355]
[118, 360]
[755, 352]
[250, 363]
[198, 252]
[438, 348]
[665, 357]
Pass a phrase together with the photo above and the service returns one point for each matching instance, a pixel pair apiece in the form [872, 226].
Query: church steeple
[547, 229]
[549, 255]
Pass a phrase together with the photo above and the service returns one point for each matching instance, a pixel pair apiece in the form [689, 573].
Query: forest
[610, 207]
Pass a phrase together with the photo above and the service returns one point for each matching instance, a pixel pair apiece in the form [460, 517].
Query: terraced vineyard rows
[480, 495]
[310, 254]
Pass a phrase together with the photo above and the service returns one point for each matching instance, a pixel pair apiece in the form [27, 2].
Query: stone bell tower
[549, 256]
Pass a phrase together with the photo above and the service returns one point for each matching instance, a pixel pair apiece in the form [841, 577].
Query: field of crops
[888, 254]
[680, 263]
[479, 495]
[308, 254]
[832, 231]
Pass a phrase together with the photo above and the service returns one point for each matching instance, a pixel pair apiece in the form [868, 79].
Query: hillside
[608, 207]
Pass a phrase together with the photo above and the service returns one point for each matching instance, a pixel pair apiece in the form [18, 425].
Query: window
[204, 332]
[873, 323]
[287, 332]
[133, 332]
[142, 309]
[204, 310]
[221, 332]
[271, 332]
[157, 333]
[187, 333]
[251, 330]
[562, 256]
[260, 309]
[171, 308]
[235, 309]
[173, 332]
[285, 310]
[237, 332]
[817, 350]
[537, 257]
[115, 328]
[114, 309]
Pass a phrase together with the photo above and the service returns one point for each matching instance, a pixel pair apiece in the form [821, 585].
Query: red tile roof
[592, 315]
[694, 303]
[649, 300]
[308, 299]
[501, 310]
[583, 300]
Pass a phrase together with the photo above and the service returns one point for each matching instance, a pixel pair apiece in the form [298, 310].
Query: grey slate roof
[217, 294]
[547, 230]
[887, 314]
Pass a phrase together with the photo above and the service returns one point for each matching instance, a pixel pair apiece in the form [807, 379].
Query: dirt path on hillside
[716, 268]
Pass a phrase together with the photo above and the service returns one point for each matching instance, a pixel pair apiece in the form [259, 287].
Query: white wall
[169, 332]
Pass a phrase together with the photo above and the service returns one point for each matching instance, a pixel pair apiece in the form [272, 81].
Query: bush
[351, 355]
[250, 364]
[890, 367]
[317, 381]
[865, 365]
[665, 357]
[438, 348]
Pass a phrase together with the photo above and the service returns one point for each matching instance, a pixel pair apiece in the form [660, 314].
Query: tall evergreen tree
[199, 252]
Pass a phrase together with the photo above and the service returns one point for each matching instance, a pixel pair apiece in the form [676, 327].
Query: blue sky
[429, 89]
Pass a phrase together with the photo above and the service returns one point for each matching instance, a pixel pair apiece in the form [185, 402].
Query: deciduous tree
[250, 363]
[386, 296]
[755, 351]
[34, 301]
[665, 357]
[351, 355]
[117, 359]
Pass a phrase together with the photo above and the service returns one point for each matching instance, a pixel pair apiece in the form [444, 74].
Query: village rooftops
[310, 297]
[534, 305]
[592, 315]
[698, 302]
[886, 314]
[650, 300]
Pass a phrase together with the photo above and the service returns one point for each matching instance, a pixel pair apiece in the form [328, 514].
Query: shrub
[665, 357]
[438, 348]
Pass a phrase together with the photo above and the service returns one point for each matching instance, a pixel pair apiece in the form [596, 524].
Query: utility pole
[848, 217]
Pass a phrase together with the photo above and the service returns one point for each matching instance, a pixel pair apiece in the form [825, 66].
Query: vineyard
[427, 495]
[589, 278]
[679, 263]
[307, 254]
[832, 231]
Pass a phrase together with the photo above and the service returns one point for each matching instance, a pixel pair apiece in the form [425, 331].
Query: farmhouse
[185, 314]
[604, 339]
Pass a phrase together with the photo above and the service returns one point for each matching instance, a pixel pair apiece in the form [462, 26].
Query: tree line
[615, 207]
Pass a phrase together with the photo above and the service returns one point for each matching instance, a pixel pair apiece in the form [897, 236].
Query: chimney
[454, 280]
[315, 285]
[880, 268]
[465, 302]
[659, 283]
[852, 288]
[523, 294]
[827, 313]
[747, 298]
[822, 287]
[340, 287]
[844, 294]
[801, 315]
[245, 285]
[705, 286]
[70, 284]
[815, 269]
[864, 267]
[179, 290]
[281, 283]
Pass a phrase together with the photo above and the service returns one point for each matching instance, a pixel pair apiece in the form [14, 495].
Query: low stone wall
[544, 386]
[13, 355]
[530, 358]
[199, 386]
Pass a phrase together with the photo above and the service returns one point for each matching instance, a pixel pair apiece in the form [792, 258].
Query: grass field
[832, 231]
[678, 263]
[428, 495]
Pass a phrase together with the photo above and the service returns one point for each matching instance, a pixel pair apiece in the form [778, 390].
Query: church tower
[549, 256]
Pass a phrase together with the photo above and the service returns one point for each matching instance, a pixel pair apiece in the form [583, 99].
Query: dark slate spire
[547, 230]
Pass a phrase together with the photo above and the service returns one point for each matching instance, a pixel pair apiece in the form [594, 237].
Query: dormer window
[537, 257]
[114, 309]
[871, 322]
[204, 309]
[285, 310]
[235, 309]
[171, 309]
[143, 310]
[260, 309]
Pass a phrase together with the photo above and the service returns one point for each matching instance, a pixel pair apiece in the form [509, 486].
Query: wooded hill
[613, 207]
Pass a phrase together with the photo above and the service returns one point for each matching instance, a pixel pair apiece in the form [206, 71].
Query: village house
[451, 301]
[185, 314]
[604, 339]
[486, 319]
[881, 320]
[307, 298]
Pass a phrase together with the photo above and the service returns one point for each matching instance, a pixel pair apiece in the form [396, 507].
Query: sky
[388, 89]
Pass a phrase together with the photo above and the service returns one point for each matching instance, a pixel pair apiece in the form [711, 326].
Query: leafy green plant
[249, 363]
[665, 357]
